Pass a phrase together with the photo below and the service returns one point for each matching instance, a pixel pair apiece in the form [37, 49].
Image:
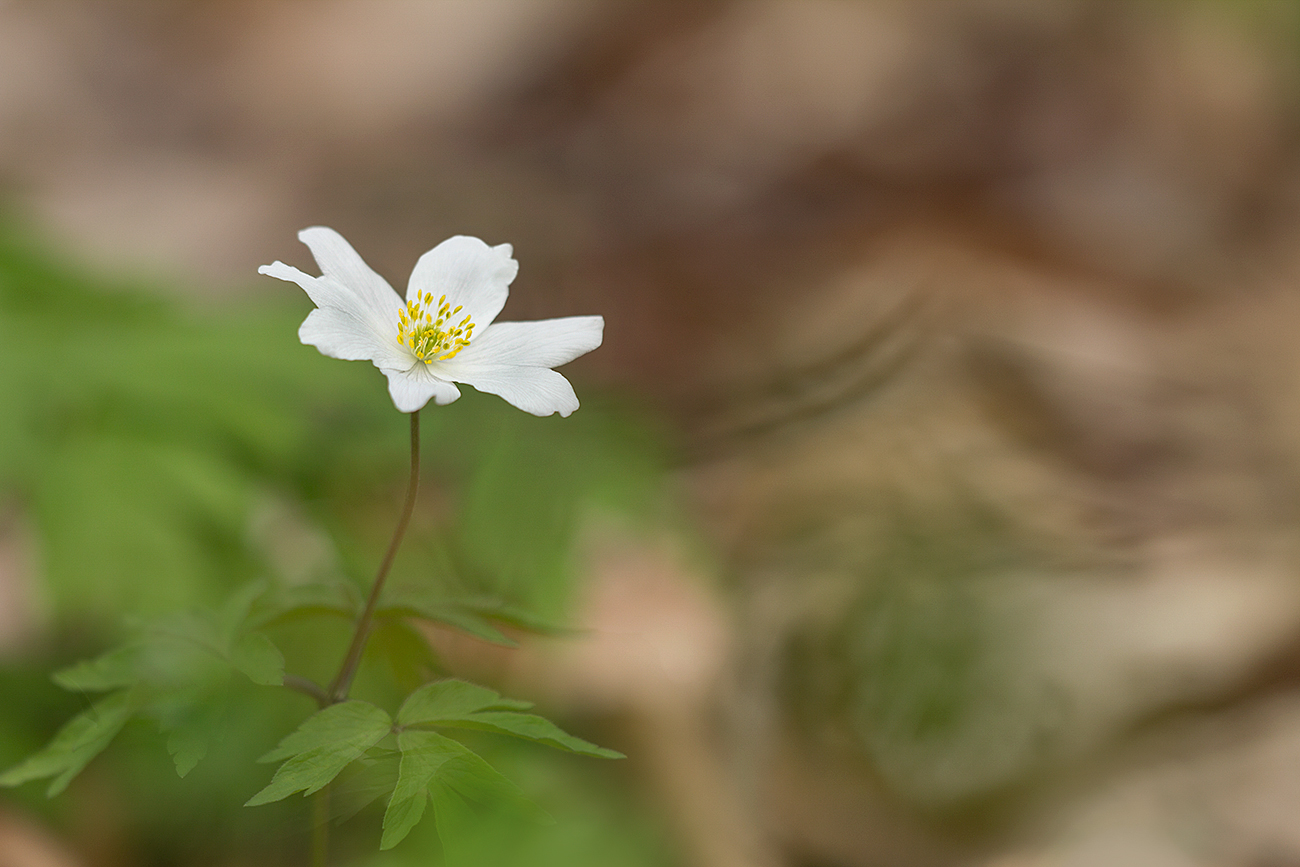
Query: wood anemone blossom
[445, 331]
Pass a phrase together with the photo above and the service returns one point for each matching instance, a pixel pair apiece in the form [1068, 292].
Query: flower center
[429, 332]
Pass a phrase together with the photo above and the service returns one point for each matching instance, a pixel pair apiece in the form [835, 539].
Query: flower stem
[338, 689]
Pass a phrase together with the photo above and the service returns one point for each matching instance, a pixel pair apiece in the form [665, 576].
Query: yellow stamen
[433, 339]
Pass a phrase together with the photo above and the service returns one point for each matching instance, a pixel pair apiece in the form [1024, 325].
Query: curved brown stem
[338, 689]
[307, 687]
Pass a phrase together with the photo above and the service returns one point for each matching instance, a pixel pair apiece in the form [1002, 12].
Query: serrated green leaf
[113, 670]
[468, 774]
[459, 704]
[452, 815]
[452, 699]
[365, 781]
[530, 727]
[80, 740]
[402, 815]
[434, 764]
[464, 780]
[258, 658]
[328, 726]
[423, 753]
[321, 747]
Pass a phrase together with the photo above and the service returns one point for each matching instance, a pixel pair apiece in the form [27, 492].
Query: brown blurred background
[976, 319]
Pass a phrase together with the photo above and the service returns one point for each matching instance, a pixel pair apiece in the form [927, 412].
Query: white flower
[444, 333]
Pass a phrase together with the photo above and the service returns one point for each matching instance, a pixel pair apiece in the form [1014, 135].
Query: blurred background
[935, 495]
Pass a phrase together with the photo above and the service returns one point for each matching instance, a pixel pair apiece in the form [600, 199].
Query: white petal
[322, 293]
[338, 335]
[340, 263]
[548, 343]
[532, 389]
[412, 388]
[342, 326]
[470, 273]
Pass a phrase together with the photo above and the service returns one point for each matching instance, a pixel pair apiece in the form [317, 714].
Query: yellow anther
[431, 339]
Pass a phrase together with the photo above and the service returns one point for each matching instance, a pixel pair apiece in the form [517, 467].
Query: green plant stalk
[338, 689]
[320, 827]
[342, 683]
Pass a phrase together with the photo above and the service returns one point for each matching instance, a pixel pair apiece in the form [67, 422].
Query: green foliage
[141, 442]
[80, 740]
[258, 659]
[430, 766]
[450, 699]
[119, 667]
[592, 817]
[441, 769]
[325, 744]
[458, 704]
[452, 614]
[167, 673]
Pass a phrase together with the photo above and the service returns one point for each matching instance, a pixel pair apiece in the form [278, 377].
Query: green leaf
[470, 776]
[530, 727]
[513, 615]
[459, 704]
[112, 506]
[452, 699]
[405, 651]
[115, 669]
[432, 763]
[338, 599]
[423, 753]
[464, 780]
[80, 740]
[449, 615]
[363, 782]
[259, 659]
[321, 747]
[187, 744]
[235, 610]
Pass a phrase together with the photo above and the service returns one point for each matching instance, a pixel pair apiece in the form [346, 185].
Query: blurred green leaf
[365, 781]
[115, 669]
[423, 753]
[450, 699]
[188, 744]
[512, 615]
[321, 747]
[467, 779]
[530, 727]
[259, 659]
[439, 766]
[448, 614]
[458, 704]
[80, 740]
[234, 612]
[406, 652]
[338, 599]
